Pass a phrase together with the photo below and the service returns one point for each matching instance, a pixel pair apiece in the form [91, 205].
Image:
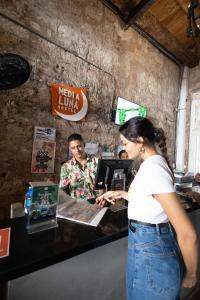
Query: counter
[29, 253]
[73, 261]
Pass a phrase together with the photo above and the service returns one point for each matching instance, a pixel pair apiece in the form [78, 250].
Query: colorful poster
[127, 110]
[69, 103]
[4, 242]
[43, 154]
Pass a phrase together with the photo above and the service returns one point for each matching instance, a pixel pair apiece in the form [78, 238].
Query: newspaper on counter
[79, 211]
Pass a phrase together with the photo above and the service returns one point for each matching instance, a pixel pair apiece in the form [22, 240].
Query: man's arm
[64, 178]
[195, 197]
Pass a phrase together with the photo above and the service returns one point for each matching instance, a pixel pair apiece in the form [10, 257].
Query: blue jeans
[154, 267]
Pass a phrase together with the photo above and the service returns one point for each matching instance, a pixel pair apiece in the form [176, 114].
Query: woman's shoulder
[154, 161]
[157, 165]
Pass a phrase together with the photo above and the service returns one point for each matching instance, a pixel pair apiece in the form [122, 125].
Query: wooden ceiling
[164, 23]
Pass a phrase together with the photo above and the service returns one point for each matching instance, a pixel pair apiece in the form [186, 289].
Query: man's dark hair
[75, 137]
[121, 152]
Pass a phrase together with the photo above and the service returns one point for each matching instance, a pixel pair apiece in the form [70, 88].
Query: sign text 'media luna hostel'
[70, 103]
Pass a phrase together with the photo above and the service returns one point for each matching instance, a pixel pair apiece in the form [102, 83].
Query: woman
[156, 220]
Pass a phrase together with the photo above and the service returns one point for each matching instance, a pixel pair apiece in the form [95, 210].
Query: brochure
[43, 200]
[4, 242]
[81, 212]
[40, 206]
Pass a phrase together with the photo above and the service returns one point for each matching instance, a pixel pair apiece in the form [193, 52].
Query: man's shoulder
[93, 158]
[68, 163]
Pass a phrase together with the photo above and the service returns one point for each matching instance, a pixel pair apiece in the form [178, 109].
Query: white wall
[194, 140]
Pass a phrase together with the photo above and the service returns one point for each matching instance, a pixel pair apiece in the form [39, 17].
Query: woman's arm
[186, 235]
[110, 197]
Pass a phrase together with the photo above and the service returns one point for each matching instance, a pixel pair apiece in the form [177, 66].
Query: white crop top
[153, 177]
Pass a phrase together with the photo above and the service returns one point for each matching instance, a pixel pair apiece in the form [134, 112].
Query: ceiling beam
[150, 24]
[144, 33]
[139, 9]
[115, 9]
[150, 28]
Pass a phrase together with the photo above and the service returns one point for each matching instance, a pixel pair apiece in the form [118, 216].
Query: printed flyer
[43, 153]
[4, 242]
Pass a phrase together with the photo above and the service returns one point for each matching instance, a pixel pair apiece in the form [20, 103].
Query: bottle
[27, 206]
[28, 199]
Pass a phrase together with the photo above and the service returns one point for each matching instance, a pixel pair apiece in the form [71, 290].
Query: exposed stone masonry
[79, 43]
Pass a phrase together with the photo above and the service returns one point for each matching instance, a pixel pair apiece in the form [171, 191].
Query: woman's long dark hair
[142, 127]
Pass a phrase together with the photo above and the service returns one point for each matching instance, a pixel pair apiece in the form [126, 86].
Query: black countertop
[30, 253]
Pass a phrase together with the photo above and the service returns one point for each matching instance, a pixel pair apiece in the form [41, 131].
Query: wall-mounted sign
[43, 154]
[127, 110]
[69, 103]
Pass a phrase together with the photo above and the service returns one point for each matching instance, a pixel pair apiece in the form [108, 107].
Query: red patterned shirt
[78, 182]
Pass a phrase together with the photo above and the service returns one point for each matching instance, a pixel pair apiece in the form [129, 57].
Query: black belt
[150, 224]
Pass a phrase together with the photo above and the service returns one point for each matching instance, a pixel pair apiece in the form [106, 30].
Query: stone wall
[79, 43]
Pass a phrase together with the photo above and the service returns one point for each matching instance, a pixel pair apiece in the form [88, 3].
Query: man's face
[77, 149]
[124, 155]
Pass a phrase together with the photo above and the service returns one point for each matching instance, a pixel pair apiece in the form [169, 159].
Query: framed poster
[43, 153]
[127, 110]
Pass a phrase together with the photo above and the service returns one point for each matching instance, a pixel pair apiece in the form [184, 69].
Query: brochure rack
[40, 206]
[43, 225]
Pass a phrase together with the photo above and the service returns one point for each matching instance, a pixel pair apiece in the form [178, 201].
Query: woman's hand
[110, 197]
[189, 280]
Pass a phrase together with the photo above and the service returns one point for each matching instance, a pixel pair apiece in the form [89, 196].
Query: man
[195, 196]
[77, 176]
[123, 154]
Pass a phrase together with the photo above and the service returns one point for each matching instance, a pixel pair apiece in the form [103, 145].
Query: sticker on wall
[127, 110]
[69, 103]
[43, 153]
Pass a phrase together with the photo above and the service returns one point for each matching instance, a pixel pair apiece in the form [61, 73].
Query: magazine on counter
[81, 212]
